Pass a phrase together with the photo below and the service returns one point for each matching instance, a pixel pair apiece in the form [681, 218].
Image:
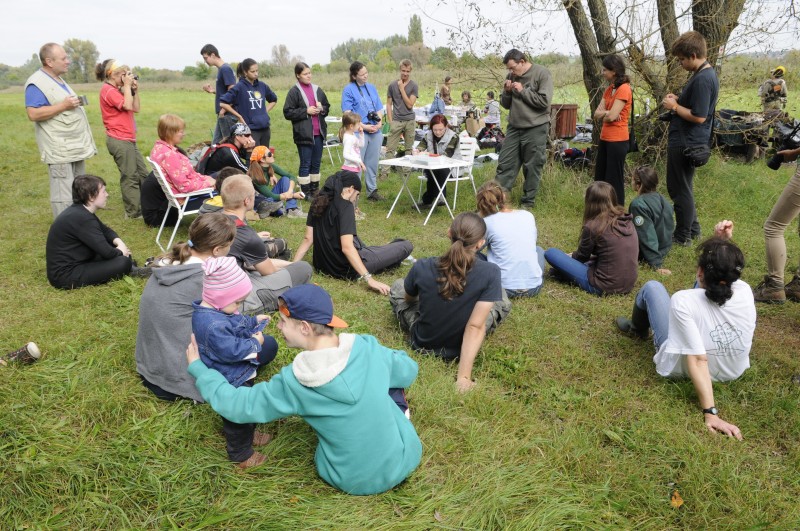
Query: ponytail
[465, 232]
[491, 198]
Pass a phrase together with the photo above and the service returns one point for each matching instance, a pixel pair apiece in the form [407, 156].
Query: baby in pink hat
[233, 344]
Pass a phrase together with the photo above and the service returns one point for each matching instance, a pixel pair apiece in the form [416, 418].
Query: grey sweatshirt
[165, 327]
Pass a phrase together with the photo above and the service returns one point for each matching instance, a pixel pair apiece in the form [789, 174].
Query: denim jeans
[310, 157]
[654, 299]
[570, 269]
[370, 154]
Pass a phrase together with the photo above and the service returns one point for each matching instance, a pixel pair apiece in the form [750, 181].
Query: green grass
[570, 427]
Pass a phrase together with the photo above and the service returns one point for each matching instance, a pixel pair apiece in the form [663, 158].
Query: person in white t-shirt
[704, 333]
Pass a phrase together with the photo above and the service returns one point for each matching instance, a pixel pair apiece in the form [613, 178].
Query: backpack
[202, 164]
[437, 107]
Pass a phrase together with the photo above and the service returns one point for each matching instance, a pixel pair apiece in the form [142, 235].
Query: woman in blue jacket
[250, 100]
[362, 98]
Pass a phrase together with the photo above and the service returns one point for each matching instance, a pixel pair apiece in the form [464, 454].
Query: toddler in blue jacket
[234, 345]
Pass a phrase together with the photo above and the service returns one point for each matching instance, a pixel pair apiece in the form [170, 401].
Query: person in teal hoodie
[340, 385]
[652, 217]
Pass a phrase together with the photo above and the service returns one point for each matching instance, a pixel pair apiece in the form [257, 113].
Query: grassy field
[569, 427]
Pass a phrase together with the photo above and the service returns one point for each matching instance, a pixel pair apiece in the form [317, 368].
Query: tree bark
[716, 20]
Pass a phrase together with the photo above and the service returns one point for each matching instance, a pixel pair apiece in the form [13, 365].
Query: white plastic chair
[467, 146]
[330, 144]
[172, 201]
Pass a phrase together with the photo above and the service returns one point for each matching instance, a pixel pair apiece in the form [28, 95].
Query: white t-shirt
[511, 238]
[698, 326]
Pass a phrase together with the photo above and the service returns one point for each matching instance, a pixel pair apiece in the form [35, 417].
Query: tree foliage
[83, 55]
[365, 50]
[199, 71]
[415, 30]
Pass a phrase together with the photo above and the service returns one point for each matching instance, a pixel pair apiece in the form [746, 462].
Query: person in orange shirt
[613, 113]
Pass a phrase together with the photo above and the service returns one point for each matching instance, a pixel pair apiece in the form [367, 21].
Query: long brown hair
[600, 207]
[467, 229]
[214, 229]
[491, 198]
[256, 170]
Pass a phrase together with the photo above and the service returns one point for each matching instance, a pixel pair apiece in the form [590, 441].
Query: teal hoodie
[366, 443]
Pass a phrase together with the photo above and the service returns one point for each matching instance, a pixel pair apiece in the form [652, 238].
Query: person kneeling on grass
[704, 333]
[81, 250]
[340, 386]
[449, 303]
[232, 344]
[331, 229]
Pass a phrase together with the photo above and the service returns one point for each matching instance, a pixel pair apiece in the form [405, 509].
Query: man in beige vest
[62, 127]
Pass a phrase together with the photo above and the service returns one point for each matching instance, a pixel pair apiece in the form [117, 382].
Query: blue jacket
[361, 102]
[250, 100]
[366, 443]
[226, 344]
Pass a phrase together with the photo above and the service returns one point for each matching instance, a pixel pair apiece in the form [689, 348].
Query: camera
[83, 100]
[373, 117]
[136, 77]
[789, 141]
[666, 116]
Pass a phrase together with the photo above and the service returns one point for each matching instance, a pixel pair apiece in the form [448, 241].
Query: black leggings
[610, 166]
[98, 271]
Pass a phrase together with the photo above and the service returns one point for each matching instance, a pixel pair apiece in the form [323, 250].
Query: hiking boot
[267, 208]
[27, 355]
[792, 289]
[375, 196]
[261, 439]
[296, 213]
[254, 460]
[637, 326]
[770, 292]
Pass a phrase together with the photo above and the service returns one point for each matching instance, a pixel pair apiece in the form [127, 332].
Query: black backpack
[202, 164]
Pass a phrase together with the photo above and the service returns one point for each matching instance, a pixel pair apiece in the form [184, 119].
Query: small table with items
[424, 161]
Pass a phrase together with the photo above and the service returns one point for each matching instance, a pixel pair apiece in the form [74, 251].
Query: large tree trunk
[587, 43]
[716, 20]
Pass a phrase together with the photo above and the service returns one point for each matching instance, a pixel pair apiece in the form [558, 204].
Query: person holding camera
[362, 98]
[786, 209]
[62, 128]
[690, 121]
[119, 101]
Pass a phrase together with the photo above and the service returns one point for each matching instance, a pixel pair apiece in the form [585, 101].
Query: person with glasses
[232, 151]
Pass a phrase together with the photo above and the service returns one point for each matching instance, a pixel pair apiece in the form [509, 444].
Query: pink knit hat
[224, 282]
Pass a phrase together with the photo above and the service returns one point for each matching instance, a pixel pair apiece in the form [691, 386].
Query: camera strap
[372, 103]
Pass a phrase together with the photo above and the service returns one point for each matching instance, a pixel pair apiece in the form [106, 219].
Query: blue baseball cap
[311, 303]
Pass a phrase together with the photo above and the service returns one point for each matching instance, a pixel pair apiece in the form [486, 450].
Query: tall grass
[569, 427]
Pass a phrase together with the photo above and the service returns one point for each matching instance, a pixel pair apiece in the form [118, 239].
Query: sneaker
[27, 355]
[254, 460]
[296, 213]
[770, 292]
[375, 196]
[141, 272]
[792, 289]
[266, 208]
[682, 243]
[261, 439]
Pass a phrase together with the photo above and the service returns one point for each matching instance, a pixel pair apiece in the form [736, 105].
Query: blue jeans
[570, 269]
[654, 299]
[310, 157]
[370, 154]
[282, 186]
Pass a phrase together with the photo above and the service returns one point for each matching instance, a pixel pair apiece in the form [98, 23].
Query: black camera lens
[775, 162]
[136, 77]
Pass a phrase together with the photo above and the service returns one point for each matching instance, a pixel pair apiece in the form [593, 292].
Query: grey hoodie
[165, 327]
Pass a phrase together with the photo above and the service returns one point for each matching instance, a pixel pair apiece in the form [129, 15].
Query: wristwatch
[711, 411]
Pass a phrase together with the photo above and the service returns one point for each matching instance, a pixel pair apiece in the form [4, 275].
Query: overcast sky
[169, 34]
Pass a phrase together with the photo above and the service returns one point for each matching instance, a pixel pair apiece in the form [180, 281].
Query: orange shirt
[617, 131]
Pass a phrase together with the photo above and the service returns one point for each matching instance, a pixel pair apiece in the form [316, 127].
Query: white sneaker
[296, 213]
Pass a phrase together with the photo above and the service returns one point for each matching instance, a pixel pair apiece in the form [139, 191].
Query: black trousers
[380, 257]
[98, 271]
[431, 190]
[680, 186]
[239, 437]
[609, 166]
